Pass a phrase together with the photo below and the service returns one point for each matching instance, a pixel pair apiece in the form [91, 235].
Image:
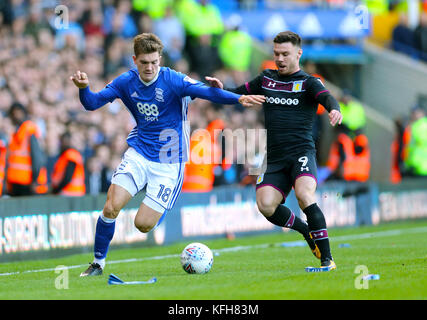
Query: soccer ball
[196, 258]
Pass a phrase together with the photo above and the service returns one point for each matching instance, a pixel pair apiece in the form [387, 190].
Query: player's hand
[214, 82]
[80, 79]
[335, 117]
[249, 101]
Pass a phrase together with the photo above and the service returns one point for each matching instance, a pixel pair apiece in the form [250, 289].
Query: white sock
[101, 262]
[106, 220]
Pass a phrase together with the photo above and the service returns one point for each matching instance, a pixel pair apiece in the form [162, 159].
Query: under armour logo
[272, 84]
[305, 168]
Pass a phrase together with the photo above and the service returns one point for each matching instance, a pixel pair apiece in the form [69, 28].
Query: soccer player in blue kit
[157, 97]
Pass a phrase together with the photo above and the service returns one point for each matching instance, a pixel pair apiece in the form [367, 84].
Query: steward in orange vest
[68, 177]
[26, 171]
[2, 164]
[350, 159]
[399, 151]
[199, 173]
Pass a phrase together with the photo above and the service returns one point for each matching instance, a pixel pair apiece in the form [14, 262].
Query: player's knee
[111, 209]
[266, 206]
[305, 197]
[144, 228]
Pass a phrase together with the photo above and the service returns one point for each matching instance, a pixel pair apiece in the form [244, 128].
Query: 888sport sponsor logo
[150, 111]
[284, 101]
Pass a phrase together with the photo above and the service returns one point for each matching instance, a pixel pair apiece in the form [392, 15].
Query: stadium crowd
[43, 42]
[41, 49]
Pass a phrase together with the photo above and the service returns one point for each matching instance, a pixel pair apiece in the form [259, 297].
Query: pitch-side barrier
[54, 226]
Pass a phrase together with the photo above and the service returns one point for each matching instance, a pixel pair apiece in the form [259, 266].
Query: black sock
[317, 224]
[284, 217]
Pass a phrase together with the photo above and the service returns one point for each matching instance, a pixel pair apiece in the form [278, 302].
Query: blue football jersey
[162, 131]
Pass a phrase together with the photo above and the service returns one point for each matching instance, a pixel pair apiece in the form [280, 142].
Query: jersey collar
[296, 73]
[152, 81]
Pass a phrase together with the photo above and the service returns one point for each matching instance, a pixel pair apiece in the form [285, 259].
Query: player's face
[148, 65]
[286, 57]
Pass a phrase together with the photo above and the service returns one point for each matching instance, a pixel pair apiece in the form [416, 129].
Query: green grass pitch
[257, 268]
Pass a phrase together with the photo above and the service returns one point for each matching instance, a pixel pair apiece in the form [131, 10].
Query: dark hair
[288, 36]
[17, 106]
[147, 43]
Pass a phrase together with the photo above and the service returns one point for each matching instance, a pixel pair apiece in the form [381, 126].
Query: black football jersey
[290, 108]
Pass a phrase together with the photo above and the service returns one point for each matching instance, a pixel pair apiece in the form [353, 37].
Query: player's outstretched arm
[249, 101]
[214, 82]
[80, 79]
[217, 95]
[245, 100]
[335, 117]
[91, 100]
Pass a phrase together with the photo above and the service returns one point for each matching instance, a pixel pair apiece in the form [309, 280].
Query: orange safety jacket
[41, 182]
[19, 169]
[395, 174]
[355, 166]
[3, 150]
[199, 177]
[76, 187]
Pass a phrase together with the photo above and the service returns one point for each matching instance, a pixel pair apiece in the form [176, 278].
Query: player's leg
[127, 180]
[271, 192]
[117, 198]
[305, 188]
[163, 188]
[147, 218]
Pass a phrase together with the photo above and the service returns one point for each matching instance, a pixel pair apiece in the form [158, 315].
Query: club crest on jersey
[297, 86]
[159, 94]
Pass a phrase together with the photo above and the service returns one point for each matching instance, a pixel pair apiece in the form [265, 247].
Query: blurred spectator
[204, 56]
[3, 151]
[155, 9]
[37, 56]
[68, 177]
[399, 146]
[378, 7]
[354, 117]
[93, 176]
[199, 17]
[199, 171]
[349, 155]
[36, 22]
[118, 20]
[93, 25]
[416, 153]
[421, 37]
[114, 58]
[235, 47]
[211, 21]
[170, 30]
[26, 171]
[403, 39]
[71, 35]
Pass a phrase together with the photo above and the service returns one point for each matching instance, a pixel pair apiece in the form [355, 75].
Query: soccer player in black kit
[292, 97]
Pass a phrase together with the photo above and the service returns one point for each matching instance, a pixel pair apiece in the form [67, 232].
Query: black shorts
[294, 166]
